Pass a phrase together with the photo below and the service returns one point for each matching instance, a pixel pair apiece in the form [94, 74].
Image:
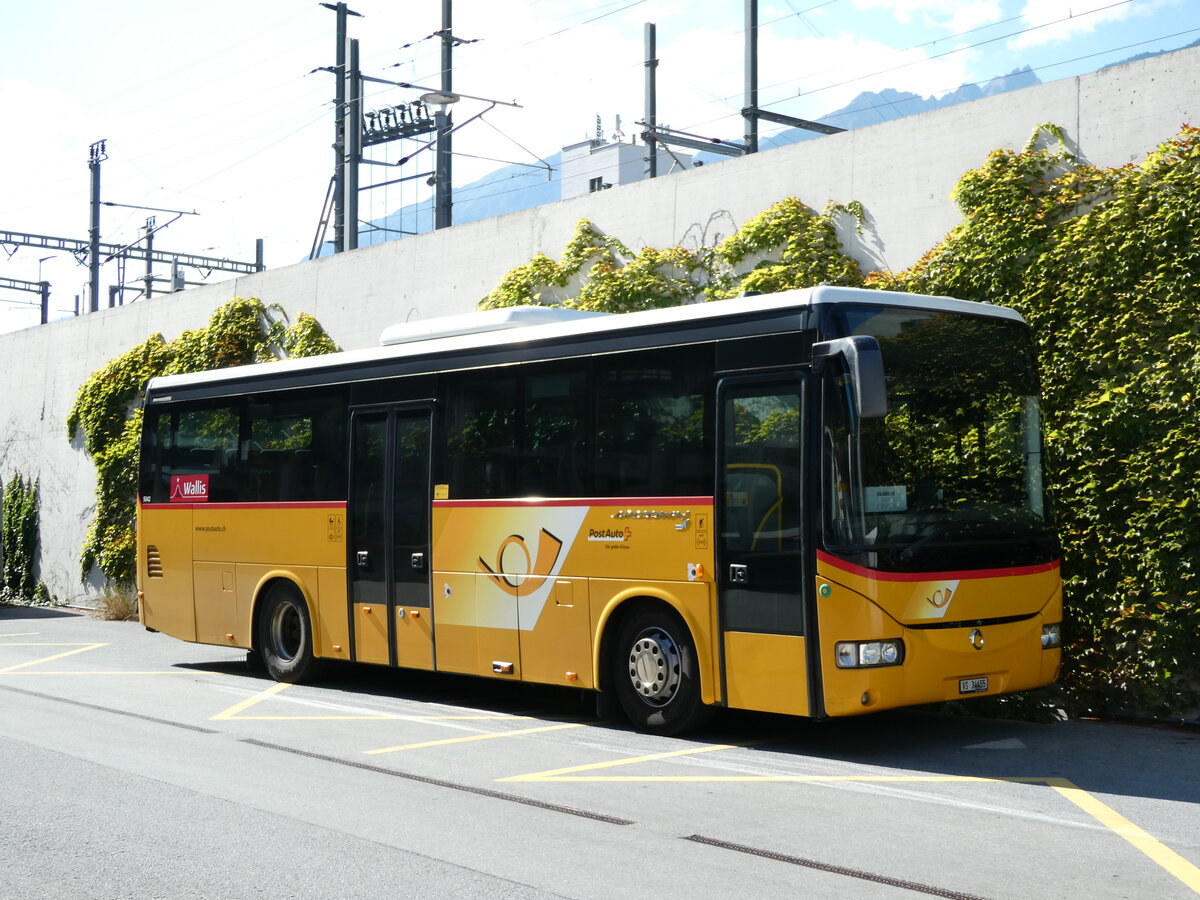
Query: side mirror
[864, 361]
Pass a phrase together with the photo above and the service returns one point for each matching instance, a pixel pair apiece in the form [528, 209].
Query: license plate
[972, 685]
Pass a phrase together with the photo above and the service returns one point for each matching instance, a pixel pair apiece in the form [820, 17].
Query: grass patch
[117, 605]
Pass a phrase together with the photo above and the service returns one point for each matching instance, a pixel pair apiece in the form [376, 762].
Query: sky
[221, 108]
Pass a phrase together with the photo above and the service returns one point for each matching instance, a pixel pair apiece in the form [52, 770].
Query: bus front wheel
[285, 634]
[655, 674]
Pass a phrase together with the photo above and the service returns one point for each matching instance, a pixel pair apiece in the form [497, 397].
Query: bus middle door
[761, 550]
[389, 537]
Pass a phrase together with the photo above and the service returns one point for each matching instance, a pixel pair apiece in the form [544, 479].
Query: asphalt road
[134, 765]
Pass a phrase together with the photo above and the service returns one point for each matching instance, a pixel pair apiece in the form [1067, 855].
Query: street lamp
[441, 99]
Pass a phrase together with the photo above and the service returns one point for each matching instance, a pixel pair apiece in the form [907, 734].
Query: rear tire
[654, 672]
[285, 634]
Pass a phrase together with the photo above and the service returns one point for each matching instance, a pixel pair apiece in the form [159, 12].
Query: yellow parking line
[235, 712]
[90, 673]
[558, 774]
[393, 718]
[1158, 852]
[756, 779]
[21, 634]
[38, 662]
[1114, 821]
[474, 737]
[252, 701]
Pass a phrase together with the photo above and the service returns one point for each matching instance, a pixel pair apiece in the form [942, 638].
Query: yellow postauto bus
[823, 502]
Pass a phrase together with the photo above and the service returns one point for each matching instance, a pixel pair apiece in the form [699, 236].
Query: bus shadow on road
[416, 686]
[1099, 757]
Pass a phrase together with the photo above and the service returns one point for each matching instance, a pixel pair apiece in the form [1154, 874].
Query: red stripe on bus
[876, 575]
[581, 501]
[304, 504]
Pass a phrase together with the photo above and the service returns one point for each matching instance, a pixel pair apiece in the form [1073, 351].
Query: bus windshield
[951, 477]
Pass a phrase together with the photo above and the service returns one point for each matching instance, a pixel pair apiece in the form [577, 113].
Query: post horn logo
[976, 639]
[536, 568]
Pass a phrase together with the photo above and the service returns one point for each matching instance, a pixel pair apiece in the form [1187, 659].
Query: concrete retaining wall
[901, 171]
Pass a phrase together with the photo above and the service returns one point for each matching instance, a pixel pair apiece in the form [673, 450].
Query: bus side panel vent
[154, 567]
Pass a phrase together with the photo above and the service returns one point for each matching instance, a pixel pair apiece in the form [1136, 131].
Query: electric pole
[339, 127]
[353, 134]
[751, 107]
[651, 99]
[442, 216]
[149, 277]
[36, 287]
[96, 155]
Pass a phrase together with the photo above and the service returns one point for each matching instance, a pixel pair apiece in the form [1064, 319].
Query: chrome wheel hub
[285, 631]
[654, 668]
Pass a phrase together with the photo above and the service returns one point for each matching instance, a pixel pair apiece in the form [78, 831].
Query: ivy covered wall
[788, 244]
[19, 543]
[106, 412]
[1105, 266]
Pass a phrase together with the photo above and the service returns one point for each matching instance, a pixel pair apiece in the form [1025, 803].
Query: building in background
[596, 165]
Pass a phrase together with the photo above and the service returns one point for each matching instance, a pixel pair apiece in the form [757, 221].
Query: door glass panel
[762, 516]
[368, 509]
[410, 511]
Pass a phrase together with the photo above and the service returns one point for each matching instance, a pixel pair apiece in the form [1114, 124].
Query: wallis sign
[189, 488]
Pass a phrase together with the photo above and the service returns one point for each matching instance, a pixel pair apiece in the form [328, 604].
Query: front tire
[655, 674]
[285, 634]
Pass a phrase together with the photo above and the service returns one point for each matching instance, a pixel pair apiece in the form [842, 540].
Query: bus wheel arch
[283, 630]
[650, 663]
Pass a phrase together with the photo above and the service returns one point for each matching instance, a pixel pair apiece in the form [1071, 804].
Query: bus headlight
[1051, 636]
[864, 654]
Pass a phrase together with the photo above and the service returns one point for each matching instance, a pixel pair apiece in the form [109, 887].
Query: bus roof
[455, 334]
[501, 319]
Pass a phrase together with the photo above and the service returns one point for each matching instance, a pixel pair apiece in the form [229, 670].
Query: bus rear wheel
[285, 634]
[655, 674]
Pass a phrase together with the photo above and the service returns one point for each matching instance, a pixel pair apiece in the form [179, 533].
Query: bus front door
[761, 557]
[389, 537]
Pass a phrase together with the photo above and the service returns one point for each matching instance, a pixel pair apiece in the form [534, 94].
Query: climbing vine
[1105, 265]
[19, 534]
[787, 246]
[105, 412]
[598, 272]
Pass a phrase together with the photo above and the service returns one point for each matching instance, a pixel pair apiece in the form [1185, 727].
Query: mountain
[873, 107]
[505, 190]
[1150, 54]
[519, 187]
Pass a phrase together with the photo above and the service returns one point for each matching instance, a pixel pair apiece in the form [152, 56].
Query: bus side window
[295, 448]
[204, 442]
[154, 476]
[482, 435]
[554, 446]
[651, 438]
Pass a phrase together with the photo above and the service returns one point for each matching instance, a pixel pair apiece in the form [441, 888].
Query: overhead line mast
[356, 128]
[96, 155]
[751, 112]
[442, 198]
[339, 128]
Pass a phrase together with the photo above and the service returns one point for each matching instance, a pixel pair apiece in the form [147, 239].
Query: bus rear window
[262, 449]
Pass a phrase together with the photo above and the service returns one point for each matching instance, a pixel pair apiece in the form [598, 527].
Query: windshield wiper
[931, 531]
